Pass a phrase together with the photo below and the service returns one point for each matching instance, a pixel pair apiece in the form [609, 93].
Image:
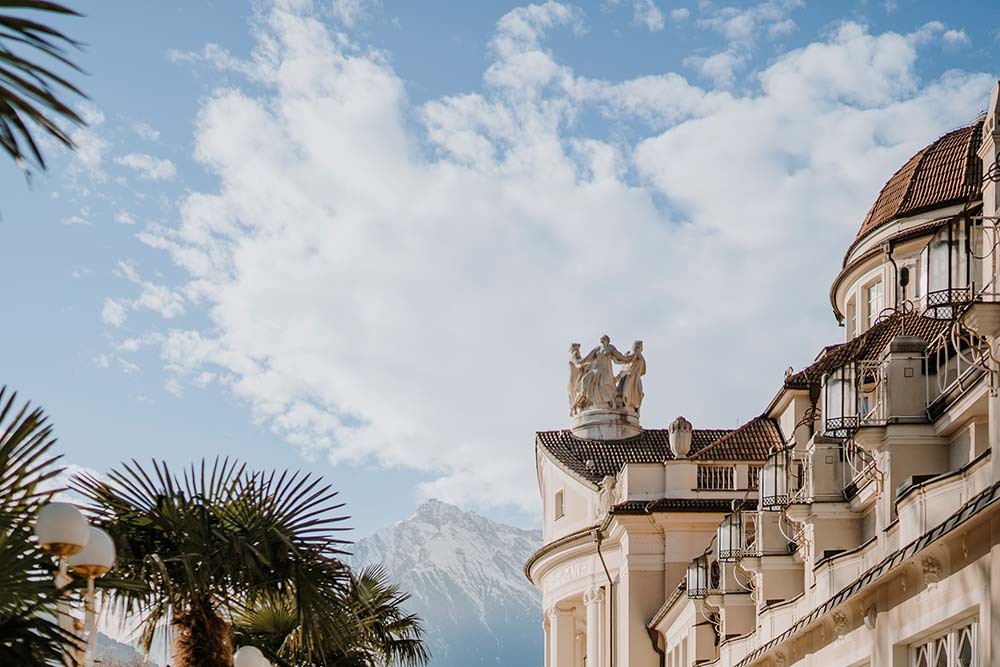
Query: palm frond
[29, 635]
[216, 535]
[30, 93]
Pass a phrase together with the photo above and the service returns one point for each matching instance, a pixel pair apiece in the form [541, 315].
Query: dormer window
[560, 505]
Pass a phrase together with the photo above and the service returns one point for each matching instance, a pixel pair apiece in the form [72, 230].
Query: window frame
[949, 641]
[559, 504]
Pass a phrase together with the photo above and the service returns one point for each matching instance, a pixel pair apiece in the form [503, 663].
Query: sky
[356, 237]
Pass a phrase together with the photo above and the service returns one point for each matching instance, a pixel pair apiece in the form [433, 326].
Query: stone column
[548, 641]
[593, 600]
[561, 630]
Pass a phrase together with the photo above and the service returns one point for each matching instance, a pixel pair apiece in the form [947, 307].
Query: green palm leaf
[29, 637]
[29, 92]
[204, 542]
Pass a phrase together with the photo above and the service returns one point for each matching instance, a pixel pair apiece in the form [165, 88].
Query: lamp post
[62, 530]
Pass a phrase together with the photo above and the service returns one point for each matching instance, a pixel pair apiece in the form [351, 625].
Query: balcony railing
[716, 478]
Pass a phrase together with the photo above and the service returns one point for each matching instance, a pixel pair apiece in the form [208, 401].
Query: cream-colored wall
[579, 502]
[642, 481]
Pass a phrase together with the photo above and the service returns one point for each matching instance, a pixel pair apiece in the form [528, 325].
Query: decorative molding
[593, 596]
[931, 569]
[841, 623]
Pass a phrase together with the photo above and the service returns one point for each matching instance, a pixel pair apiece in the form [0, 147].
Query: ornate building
[855, 522]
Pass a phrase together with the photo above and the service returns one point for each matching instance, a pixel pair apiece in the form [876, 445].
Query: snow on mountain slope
[465, 579]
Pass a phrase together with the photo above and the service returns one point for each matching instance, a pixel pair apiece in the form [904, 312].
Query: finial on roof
[680, 437]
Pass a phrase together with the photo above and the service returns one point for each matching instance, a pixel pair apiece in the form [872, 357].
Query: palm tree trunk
[203, 638]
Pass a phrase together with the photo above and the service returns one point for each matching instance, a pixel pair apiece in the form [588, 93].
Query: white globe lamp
[250, 656]
[96, 558]
[61, 529]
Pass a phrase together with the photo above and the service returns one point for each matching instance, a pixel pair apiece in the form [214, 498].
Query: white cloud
[719, 68]
[90, 114]
[740, 26]
[75, 220]
[412, 305]
[148, 167]
[146, 131]
[349, 12]
[955, 38]
[123, 217]
[649, 15]
[113, 313]
[680, 14]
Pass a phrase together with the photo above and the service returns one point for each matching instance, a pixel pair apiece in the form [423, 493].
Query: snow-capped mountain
[465, 579]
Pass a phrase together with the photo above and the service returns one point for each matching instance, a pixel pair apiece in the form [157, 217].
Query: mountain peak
[464, 575]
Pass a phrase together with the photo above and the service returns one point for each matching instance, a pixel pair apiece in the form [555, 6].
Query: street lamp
[62, 530]
[250, 656]
[730, 537]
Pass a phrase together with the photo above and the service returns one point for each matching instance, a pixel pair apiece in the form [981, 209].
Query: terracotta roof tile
[592, 460]
[945, 172]
[749, 442]
[869, 345]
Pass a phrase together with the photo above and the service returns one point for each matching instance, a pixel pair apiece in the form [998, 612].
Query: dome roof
[945, 172]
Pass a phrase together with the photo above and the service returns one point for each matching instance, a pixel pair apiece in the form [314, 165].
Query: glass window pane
[965, 648]
[941, 647]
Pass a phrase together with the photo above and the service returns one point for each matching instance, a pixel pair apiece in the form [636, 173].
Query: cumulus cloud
[146, 131]
[741, 27]
[147, 166]
[412, 305]
[648, 14]
[123, 217]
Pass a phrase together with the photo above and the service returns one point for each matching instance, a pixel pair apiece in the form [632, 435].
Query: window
[875, 301]
[955, 648]
[753, 477]
[852, 318]
[560, 505]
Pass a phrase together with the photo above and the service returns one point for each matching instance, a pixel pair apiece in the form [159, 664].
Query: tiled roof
[869, 345]
[945, 172]
[592, 460]
[749, 442]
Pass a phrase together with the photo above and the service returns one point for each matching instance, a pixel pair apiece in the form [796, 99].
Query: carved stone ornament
[607, 496]
[931, 568]
[840, 623]
[593, 596]
[779, 659]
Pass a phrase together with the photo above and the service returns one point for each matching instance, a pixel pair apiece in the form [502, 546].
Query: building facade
[856, 521]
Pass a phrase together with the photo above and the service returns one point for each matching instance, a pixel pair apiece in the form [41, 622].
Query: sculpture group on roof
[594, 384]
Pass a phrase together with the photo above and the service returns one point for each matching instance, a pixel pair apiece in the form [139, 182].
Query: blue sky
[357, 236]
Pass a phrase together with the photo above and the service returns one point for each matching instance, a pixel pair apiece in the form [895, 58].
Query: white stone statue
[593, 383]
[598, 387]
[576, 369]
[629, 380]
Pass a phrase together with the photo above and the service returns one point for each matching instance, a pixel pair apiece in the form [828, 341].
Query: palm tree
[29, 92]
[29, 636]
[218, 536]
[382, 633]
